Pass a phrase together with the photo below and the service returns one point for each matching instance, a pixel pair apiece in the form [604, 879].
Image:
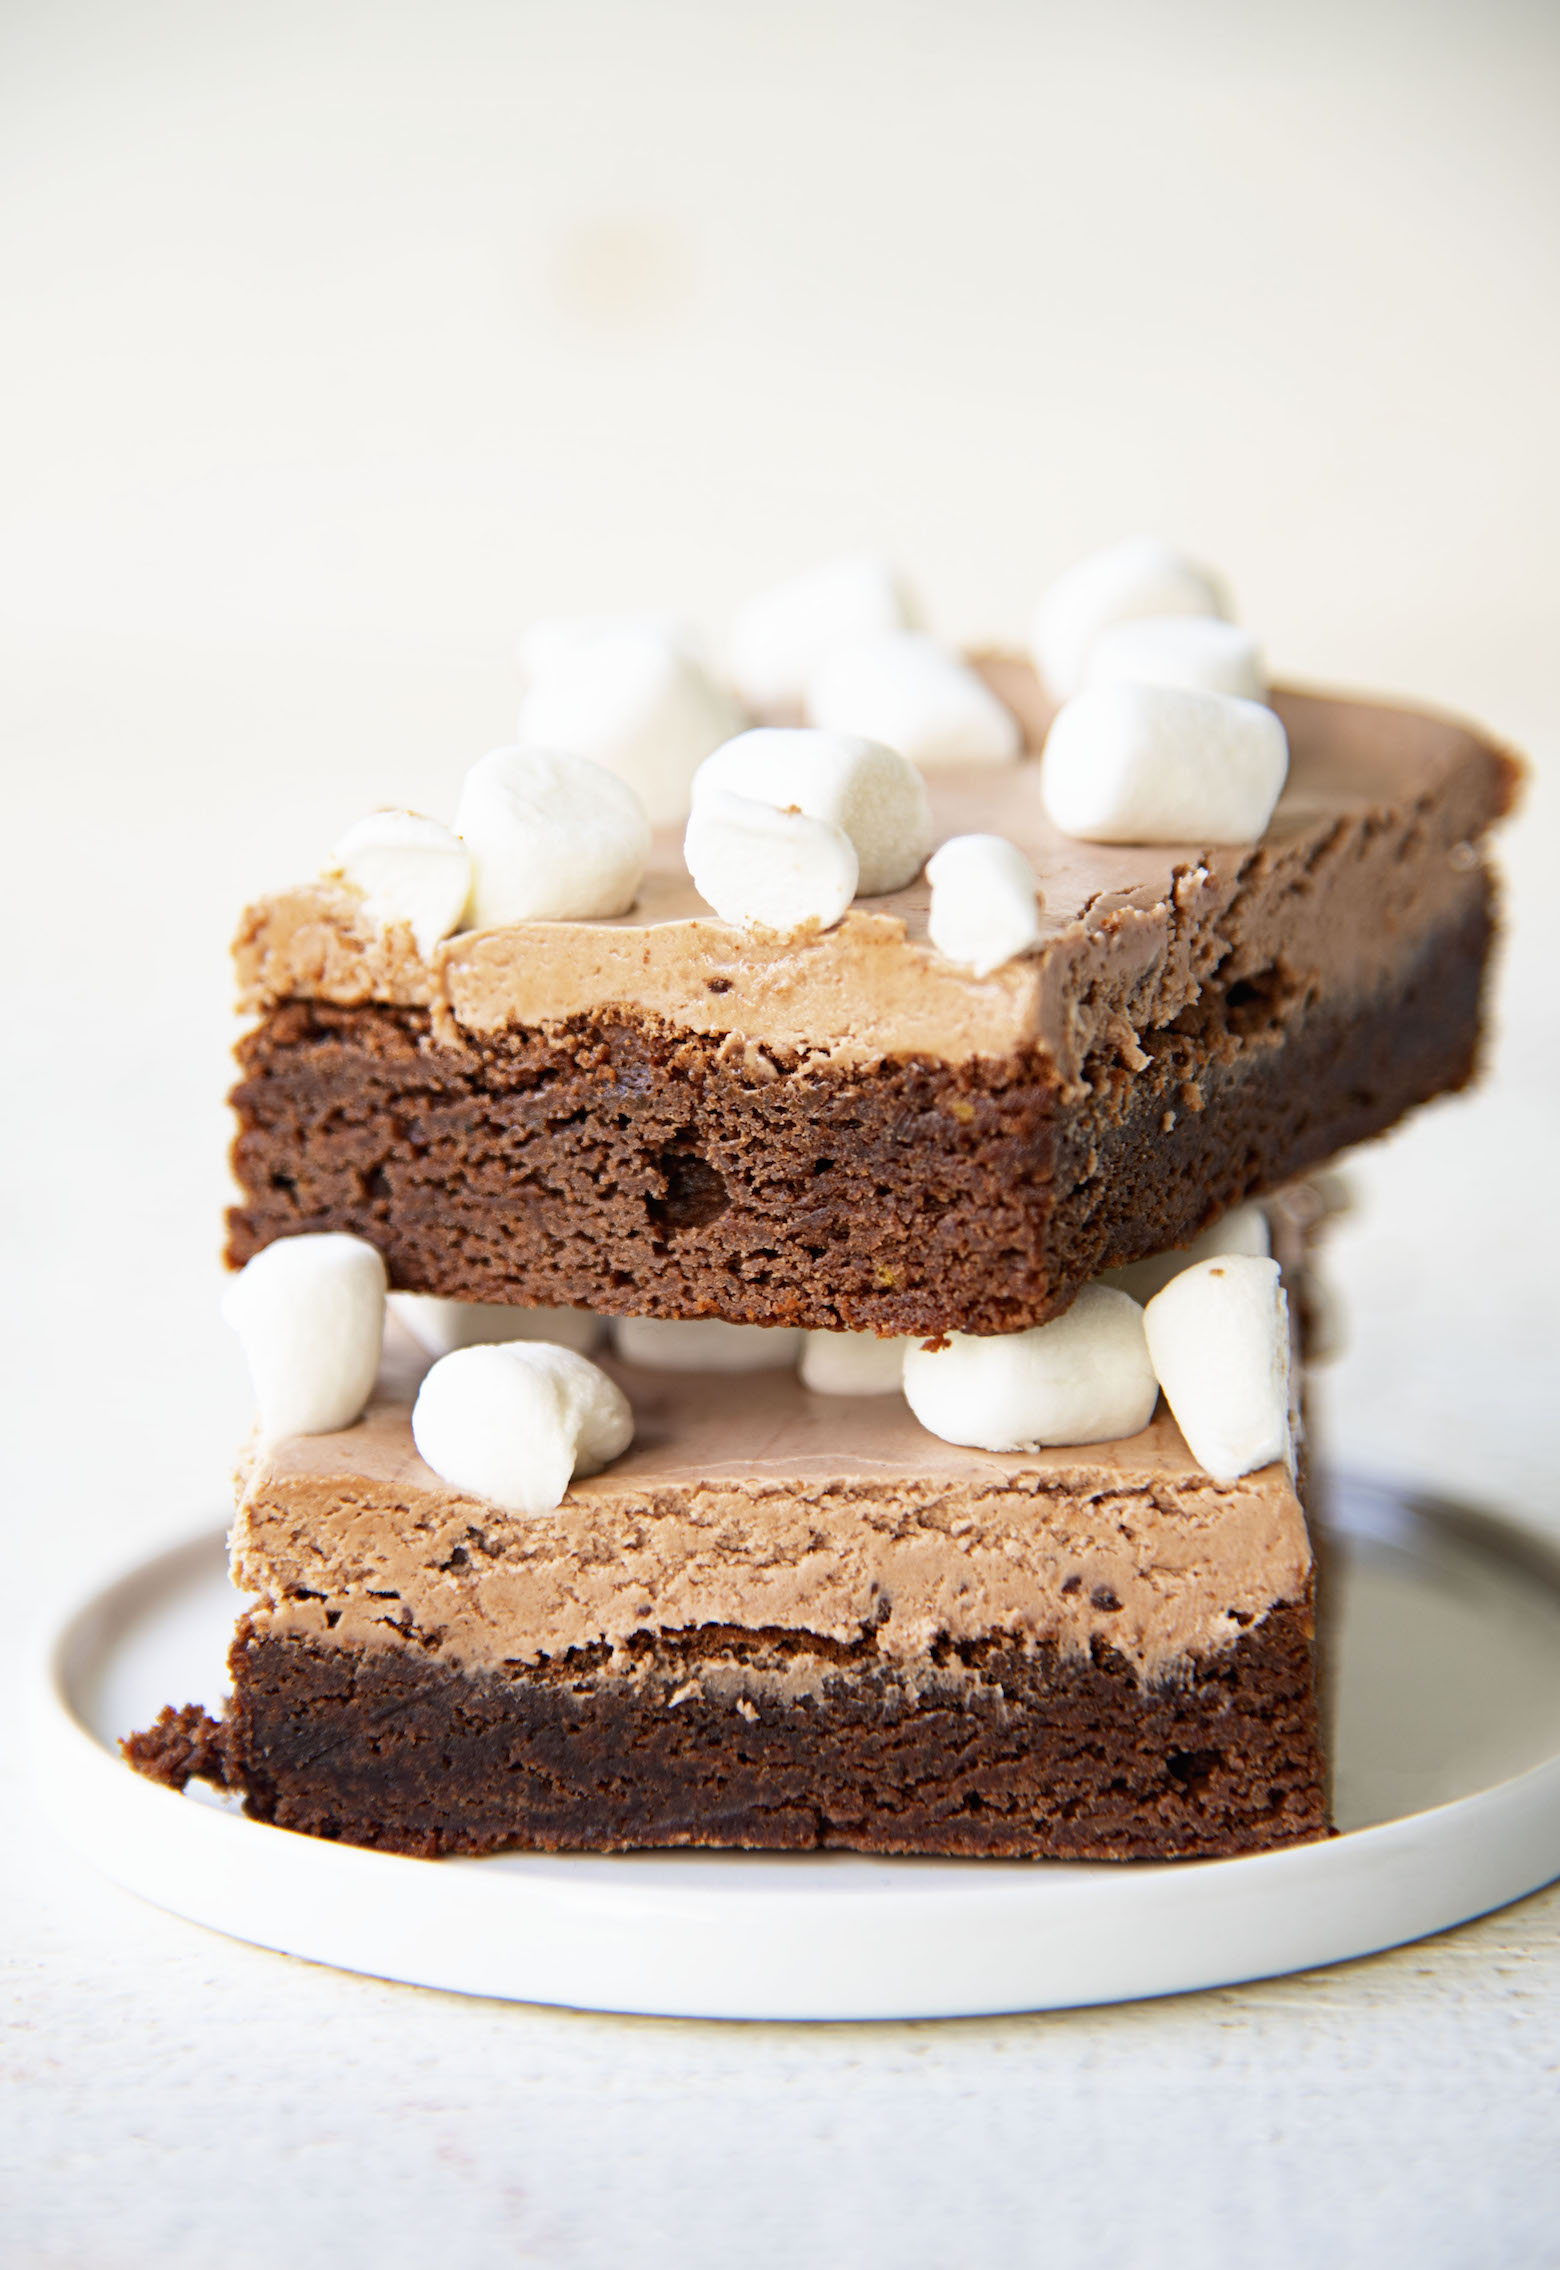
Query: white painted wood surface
[343, 340]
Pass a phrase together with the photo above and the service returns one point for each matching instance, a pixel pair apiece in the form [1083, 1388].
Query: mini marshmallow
[1219, 1338]
[704, 1343]
[632, 696]
[853, 1363]
[1140, 577]
[441, 1326]
[410, 870]
[1084, 1378]
[1197, 651]
[870, 792]
[515, 1424]
[903, 688]
[1244, 1229]
[765, 869]
[780, 637]
[985, 906]
[551, 838]
[310, 1313]
[1158, 764]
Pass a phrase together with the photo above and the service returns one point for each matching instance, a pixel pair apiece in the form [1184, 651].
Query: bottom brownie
[751, 1742]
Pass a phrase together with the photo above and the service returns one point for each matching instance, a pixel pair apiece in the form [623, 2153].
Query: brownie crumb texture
[994, 1752]
[182, 1746]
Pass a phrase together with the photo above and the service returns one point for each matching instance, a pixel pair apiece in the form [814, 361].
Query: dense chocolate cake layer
[991, 1751]
[624, 1164]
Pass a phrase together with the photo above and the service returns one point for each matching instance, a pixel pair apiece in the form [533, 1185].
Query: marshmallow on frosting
[410, 870]
[901, 687]
[551, 838]
[781, 637]
[1200, 652]
[1129, 763]
[868, 791]
[767, 869]
[853, 1363]
[1084, 1378]
[1140, 577]
[631, 695]
[985, 905]
[1244, 1229]
[515, 1424]
[705, 1343]
[441, 1326]
[310, 1314]
[1219, 1338]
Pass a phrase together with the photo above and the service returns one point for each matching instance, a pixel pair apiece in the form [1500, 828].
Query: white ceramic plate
[1448, 1794]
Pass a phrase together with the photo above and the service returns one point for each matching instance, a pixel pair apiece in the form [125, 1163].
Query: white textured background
[341, 338]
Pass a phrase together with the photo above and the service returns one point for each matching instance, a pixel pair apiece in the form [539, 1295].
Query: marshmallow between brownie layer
[1371, 850]
[779, 1512]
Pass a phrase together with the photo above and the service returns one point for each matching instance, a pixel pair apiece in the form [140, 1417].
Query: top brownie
[663, 1114]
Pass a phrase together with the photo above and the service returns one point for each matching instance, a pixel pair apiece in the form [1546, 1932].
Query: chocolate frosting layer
[1373, 844]
[768, 1508]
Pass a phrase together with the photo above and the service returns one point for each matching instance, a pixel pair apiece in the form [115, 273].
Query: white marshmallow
[597, 1405]
[551, 838]
[871, 793]
[441, 1326]
[1219, 1338]
[1156, 764]
[410, 870]
[766, 869]
[515, 1424]
[903, 688]
[704, 1343]
[1084, 1378]
[632, 696]
[985, 906]
[1140, 577]
[1244, 1229]
[780, 637]
[1196, 651]
[310, 1313]
[853, 1363]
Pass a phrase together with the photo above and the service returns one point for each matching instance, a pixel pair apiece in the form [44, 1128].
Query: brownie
[781, 1621]
[660, 1116]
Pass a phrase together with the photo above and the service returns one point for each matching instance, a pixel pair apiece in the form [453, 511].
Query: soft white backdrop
[343, 338]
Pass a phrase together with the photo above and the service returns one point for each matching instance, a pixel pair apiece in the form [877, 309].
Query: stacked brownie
[862, 1523]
